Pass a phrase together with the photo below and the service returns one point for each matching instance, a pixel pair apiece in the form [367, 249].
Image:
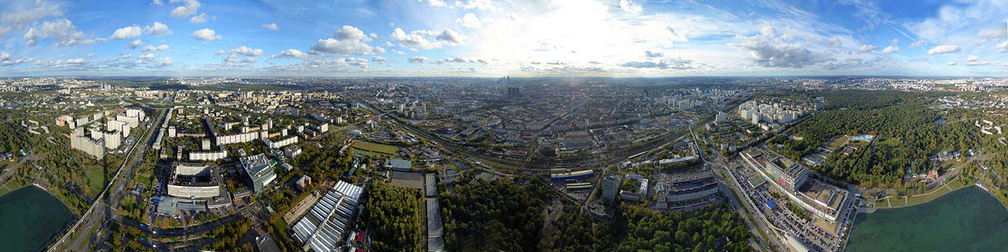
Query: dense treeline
[495, 215]
[13, 137]
[906, 132]
[577, 231]
[713, 229]
[395, 217]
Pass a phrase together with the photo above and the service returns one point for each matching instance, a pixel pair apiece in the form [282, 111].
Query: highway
[80, 231]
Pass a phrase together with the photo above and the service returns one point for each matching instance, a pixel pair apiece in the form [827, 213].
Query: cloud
[271, 26]
[436, 3]
[135, 44]
[150, 48]
[291, 54]
[348, 40]
[146, 56]
[240, 55]
[769, 53]
[951, 63]
[189, 8]
[867, 48]
[943, 49]
[158, 29]
[674, 64]
[417, 59]
[1003, 47]
[379, 59]
[201, 18]
[475, 4]
[206, 34]
[890, 49]
[157, 2]
[426, 39]
[62, 31]
[916, 44]
[15, 21]
[4, 55]
[972, 58]
[894, 41]
[460, 59]
[651, 54]
[469, 21]
[350, 33]
[450, 37]
[629, 7]
[127, 32]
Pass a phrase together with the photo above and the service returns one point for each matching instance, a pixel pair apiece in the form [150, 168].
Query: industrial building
[322, 229]
[685, 190]
[398, 165]
[258, 169]
[194, 180]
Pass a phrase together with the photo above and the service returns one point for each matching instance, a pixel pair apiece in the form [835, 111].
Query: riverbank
[890, 202]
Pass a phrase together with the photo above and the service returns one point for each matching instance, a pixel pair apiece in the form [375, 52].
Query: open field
[905, 201]
[369, 148]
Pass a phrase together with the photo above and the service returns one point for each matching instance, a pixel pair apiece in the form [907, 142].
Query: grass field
[369, 148]
[837, 141]
[95, 181]
[939, 191]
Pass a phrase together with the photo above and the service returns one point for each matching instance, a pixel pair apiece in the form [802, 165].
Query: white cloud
[450, 37]
[436, 3]
[292, 54]
[951, 63]
[135, 44]
[201, 18]
[271, 26]
[916, 44]
[469, 21]
[350, 33]
[972, 58]
[894, 41]
[348, 40]
[475, 4]
[770, 53]
[890, 49]
[943, 49]
[189, 8]
[417, 59]
[62, 31]
[206, 34]
[240, 55]
[150, 48]
[867, 48]
[126, 32]
[422, 39]
[1003, 47]
[4, 55]
[158, 29]
[157, 2]
[672, 64]
[11, 20]
[379, 59]
[629, 7]
[146, 56]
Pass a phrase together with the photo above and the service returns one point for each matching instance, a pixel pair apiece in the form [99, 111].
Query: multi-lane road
[79, 236]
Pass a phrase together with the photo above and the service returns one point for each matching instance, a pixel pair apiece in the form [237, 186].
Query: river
[965, 220]
[29, 218]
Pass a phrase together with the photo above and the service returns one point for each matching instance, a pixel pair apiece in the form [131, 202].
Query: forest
[711, 229]
[495, 215]
[395, 217]
[904, 126]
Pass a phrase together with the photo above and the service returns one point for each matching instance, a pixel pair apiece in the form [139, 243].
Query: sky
[492, 38]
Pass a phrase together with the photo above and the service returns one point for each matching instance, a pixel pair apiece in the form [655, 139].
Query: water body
[964, 220]
[29, 218]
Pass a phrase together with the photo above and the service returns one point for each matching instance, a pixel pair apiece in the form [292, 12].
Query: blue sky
[503, 37]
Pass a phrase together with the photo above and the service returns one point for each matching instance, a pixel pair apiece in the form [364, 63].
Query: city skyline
[495, 38]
